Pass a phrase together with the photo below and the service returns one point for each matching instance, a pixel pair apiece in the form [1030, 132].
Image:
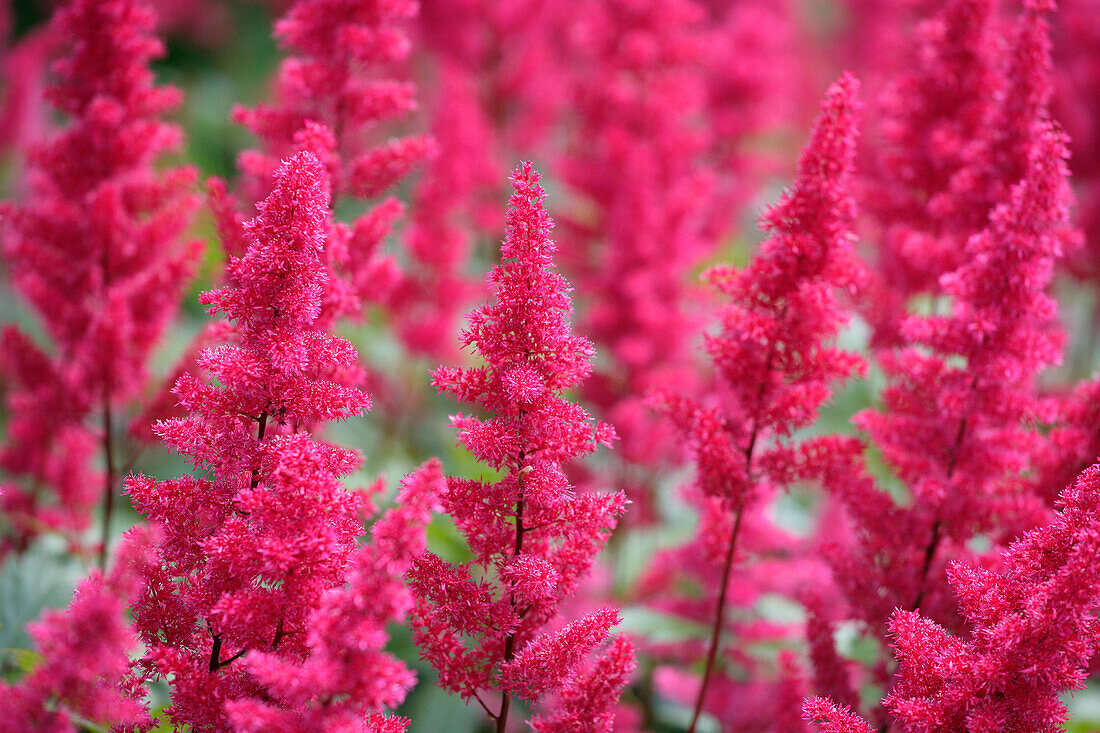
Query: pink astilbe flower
[349, 678]
[953, 424]
[1076, 34]
[481, 624]
[85, 653]
[448, 209]
[511, 54]
[664, 94]
[831, 718]
[958, 129]
[254, 548]
[640, 96]
[24, 113]
[96, 252]
[330, 98]
[588, 701]
[773, 364]
[1032, 630]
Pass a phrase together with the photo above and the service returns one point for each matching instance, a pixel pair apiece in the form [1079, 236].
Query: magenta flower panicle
[829, 717]
[96, 252]
[349, 678]
[259, 546]
[959, 128]
[330, 96]
[482, 624]
[974, 371]
[1032, 630]
[84, 672]
[773, 360]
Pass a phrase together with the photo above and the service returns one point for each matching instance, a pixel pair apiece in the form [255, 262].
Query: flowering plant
[829, 473]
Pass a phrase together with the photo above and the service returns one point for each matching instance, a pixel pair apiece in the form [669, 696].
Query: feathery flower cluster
[85, 649]
[447, 212]
[330, 99]
[638, 120]
[349, 677]
[482, 624]
[959, 131]
[772, 357]
[956, 426]
[95, 251]
[251, 553]
[921, 511]
[975, 374]
[1031, 631]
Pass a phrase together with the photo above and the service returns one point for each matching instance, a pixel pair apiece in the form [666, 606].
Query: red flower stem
[719, 620]
[109, 481]
[510, 641]
[937, 536]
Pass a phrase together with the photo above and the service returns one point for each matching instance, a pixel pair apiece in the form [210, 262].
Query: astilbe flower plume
[349, 677]
[511, 54]
[639, 94]
[773, 362]
[331, 97]
[84, 649]
[958, 130]
[482, 624]
[1077, 86]
[95, 251]
[253, 549]
[1031, 631]
[975, 375]
[449, 210]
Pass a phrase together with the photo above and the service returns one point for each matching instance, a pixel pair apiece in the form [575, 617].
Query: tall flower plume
[331, 95]
[482, 624]
[774, 362]
[958, 129]
[95, 251]
[965, 480]
[1031, 631]
[254, 548]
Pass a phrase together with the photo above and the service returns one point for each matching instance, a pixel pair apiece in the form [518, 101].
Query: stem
[259, 436]
[937, 525]
[109, 484]
[719, 620]
[929, 553]
[216, 662]
[215, 652]
[510, 640]
[720, 616]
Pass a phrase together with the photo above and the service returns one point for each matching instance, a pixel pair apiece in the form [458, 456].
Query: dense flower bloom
[85, 653]
[253, 551]
[1032, 631]
[773, 360]
[95, 251]
[976, 374]
[638, 110]
[1076, 32]
[1031, 627]
[831, 718]
[587, 702]
[330, 98]
[958, 129]
[482, 624]
[448, 210]
[349, 676]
